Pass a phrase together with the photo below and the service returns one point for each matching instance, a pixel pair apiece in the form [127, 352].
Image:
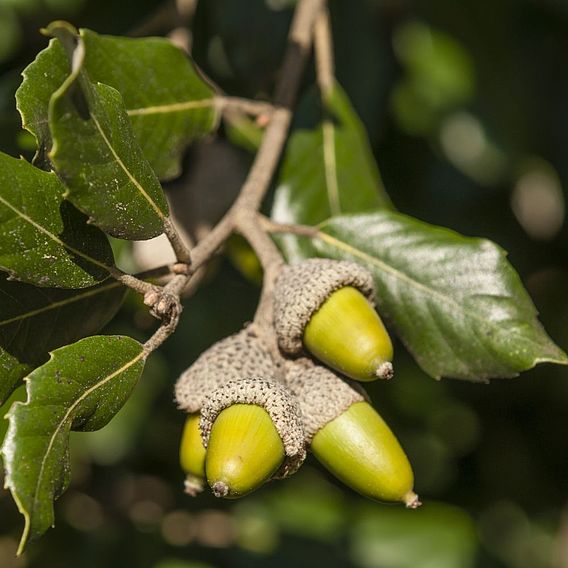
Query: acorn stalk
[326, 307]
[244, 451]
[192, 455]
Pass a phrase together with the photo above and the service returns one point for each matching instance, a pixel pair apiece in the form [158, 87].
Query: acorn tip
[193, 485]
[220, 489]
[411, 500]
[385, 371]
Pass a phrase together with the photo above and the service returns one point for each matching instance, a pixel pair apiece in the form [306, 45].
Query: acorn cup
[243, 354]
[348, 436]
[239, 355]
[326, 307]
[253, 432]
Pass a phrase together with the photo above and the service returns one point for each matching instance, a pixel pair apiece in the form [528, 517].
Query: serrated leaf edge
[90, 390]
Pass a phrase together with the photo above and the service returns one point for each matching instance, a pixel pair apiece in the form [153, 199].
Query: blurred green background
[466, 107]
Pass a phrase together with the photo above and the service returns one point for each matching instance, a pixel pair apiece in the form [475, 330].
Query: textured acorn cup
[243, 354]
[326, 306]
[192, 455]
[349, 437]
[253, 432]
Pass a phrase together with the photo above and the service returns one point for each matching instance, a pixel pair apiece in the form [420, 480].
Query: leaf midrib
[60, 303]
[122, 165]
[53, 237]
[171, 107]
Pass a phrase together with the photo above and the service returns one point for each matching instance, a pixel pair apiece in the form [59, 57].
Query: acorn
[349, 437]
[326, 306]
[239, 355]
[253, 432]
[192, 455]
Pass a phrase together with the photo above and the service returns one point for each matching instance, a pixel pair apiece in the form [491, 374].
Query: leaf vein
[53, 237]
[171, 107]
[119, 161]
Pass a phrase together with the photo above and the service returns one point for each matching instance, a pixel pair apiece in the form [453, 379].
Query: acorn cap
[322, 394]
[302, 288]
[276, 400]
[241, 355]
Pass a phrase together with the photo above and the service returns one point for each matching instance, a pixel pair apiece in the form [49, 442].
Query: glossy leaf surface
[81, 388]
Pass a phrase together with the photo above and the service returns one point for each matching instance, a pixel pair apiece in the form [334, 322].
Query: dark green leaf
[40, 80]
[456, 302]
[168, 103]
[327, 171]
[96, 154]
[11, 374]
[34, 321]
[81, 388]
[44, 240]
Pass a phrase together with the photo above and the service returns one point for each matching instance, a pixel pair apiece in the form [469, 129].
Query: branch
[270, 259]
[325, 67]
[241, 215]
[133, 282]
[299, 44]
[181, 251]
[250, 226]
[300, 230]
[247, 106]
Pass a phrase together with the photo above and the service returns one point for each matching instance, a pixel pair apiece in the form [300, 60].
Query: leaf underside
[80, 388]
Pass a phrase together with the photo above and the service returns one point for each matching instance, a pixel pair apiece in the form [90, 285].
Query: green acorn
[192, 455]
[244, 450]
[240, 355]
[326, 306]
[253, 432]
[348, 436]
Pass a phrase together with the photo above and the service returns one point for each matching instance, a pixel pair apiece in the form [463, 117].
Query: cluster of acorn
[252, 418]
